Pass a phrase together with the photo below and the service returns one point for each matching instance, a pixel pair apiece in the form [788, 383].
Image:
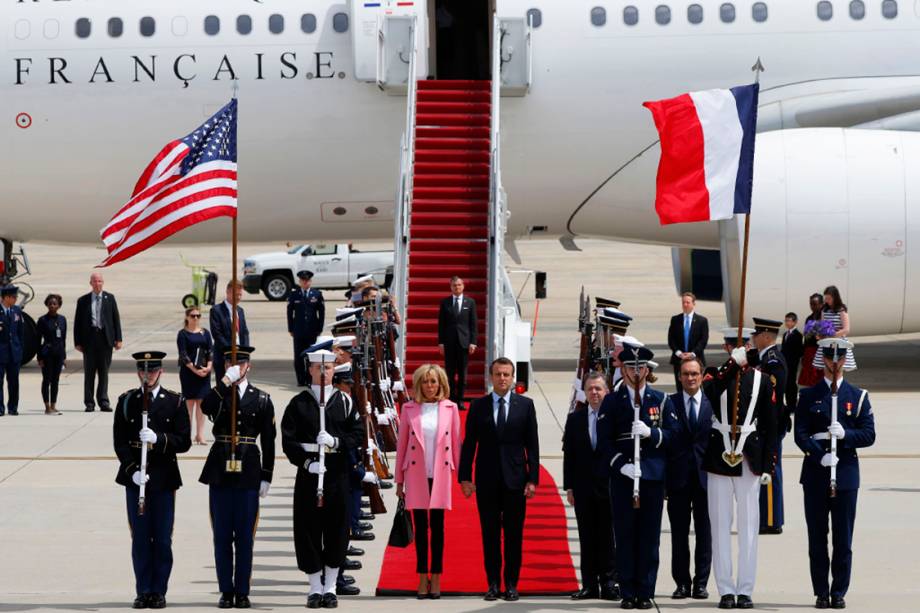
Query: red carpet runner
[547, 563]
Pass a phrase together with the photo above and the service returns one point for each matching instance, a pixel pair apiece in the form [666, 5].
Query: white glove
[148, 436]
[392, 414]
[369, 477]
[383, 419]
[829, 459]
[232, 374]
[641, 428]
[136, 477]
[384, 384]
[580, 396]
[739, 355]
[263, 489]
[326, 439]
[628, 470]
[836, 430]
[315, 468]
[765, 479]
[398, 385]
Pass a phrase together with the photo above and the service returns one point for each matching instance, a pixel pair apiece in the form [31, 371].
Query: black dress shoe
[14, 412]
[330, 601]
[771, 530]
[347, 580]
[314, 601]
[644, 603]
[367, 516]
[682, 591]
[140, 602]
[837, 602]
[88, 409]
[226, 601]
[354, 551]
[347, 590]
[105, 409]
[365, 525]
[362, 535]
[727, 602]
[242, 602]
[610, 592]
[156, 601]
[744, 602]
[628, 603]
[385, 485]
[586, 593]
[512, 595]
[352, 565]
[699, 592]
[822, 602]
[492, 594]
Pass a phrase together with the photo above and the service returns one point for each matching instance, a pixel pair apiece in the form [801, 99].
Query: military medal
[849, 406]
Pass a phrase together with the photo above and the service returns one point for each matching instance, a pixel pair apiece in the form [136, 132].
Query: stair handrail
[403, 211]
[497, 211]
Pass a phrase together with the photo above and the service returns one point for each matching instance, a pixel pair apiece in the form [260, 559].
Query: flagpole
[233, 464]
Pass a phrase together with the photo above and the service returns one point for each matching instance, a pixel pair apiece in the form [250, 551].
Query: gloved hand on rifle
[829, 459]
[836, 430]
[370, 477]
[641, 428]
[628, 470]
[326, 439]
[232, 375]
[148, 436]
[136, 477]
[315, 468]
[739, 355]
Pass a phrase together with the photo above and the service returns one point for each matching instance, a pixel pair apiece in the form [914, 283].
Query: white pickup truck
[333, 266]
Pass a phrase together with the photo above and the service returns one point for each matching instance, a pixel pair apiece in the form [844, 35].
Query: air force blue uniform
[306, 311]
[812, 418]
[637, 532]
[11, 335]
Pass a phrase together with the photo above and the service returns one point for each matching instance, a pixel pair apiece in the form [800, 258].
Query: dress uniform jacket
[255, 419]
[306, 311]
[167, 416]
[614, 427]
[772, 364]
[11, 336]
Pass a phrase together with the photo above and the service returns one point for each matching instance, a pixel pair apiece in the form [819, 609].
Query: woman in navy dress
[52, 352]
[194, 343]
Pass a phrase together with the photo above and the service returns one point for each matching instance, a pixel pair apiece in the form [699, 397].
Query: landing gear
[14, 265]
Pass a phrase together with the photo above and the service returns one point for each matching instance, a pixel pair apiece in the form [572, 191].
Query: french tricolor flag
[707, 154]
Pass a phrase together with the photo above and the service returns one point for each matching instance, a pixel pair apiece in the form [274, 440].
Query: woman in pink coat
[426, 460]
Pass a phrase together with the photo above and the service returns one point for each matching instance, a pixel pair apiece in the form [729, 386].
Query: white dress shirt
[429, 434]
[698, 398]
[457, 308]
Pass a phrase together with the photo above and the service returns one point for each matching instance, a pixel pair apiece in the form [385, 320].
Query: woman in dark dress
[810, 375]
[194, 343]
[52, 352]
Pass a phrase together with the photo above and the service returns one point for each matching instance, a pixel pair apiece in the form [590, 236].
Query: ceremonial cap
[243, 353]
[9, 290]
[731, 334]
[320, 351]
[765, 325]
[149, 359]
[321, 355]
[343, 313]
[345, 321]
[364, 279]
[305, 274]
[616, 313]
[606, 302]
[343, 374]
[834, 348]
[627, 340]
[652, 365]
[344, 341]
[322, 342]
[633, 355]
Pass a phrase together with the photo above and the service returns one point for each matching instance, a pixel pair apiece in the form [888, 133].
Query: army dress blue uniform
[11, 337]
[151, 532]
[637, 532]
[812, 419]
[306, 311]
[234, 496]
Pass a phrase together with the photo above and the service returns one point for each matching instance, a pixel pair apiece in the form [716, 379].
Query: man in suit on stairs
[501, 434]
[457, 336]
[688, 335]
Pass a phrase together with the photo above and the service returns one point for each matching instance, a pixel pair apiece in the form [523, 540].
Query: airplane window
[340, 22]
[83, 27]
[308, 23]
[825, 10]
[276, 24]
[52, 28]
[695, 13]
[244, 24]
[630, 15]
[179, 26]
[759, 12]
[890, 9]
[212, 25]
[535, 17]
[23, 28]
[857, 9]
[662, 15]
[727, 12]
[116, 27]
[148, 26]
[598, 16]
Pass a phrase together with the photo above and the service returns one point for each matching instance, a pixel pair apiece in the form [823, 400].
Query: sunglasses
[198, 316]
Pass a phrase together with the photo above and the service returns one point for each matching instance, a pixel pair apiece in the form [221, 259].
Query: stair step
[448, 218]
[442, 245]
[450, 168]
[431, 325]
[450, 231]
[453, 132]
[453, 95]
[424, 205]
[447, 258]
[458, 84]
[452, 119]
[462, 108]
[451, 142]
[427, 298]
[452, 156]
[457, 268]
[448, 193]
[440, 284]
[426, 180]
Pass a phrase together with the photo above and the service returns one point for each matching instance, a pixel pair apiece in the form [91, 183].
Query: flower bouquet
[818, 329]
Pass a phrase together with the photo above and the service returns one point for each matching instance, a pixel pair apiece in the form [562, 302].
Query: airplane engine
[831, 207]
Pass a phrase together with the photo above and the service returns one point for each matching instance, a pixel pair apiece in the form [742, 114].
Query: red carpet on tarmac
[547, 563]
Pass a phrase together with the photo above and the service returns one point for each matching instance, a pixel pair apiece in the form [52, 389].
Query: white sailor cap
[344, 312]
[342, 322]
[364, 279]
[627, 340]
[343, 341]
[322, 355]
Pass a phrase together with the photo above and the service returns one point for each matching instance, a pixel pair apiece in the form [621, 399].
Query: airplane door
[368, 18]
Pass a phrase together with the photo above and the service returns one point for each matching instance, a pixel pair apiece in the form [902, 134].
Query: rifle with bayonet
[585, 351]
[373, 463]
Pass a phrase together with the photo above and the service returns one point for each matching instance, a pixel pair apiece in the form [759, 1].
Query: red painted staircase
[449, 220]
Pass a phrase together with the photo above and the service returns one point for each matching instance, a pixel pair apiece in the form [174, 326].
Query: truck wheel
[276, 287]
[189, 301]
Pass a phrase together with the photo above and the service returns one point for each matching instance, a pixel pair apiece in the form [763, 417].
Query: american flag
[191, 180]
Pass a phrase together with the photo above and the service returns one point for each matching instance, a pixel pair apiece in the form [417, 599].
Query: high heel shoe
[424, 585]
[434, 587]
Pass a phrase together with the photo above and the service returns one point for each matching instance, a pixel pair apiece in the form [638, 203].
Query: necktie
[592, 429]
[457, 303]
[501, 414]
[693, 415]
[686, 333]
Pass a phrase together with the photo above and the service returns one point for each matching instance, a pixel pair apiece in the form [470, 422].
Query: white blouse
[430, 432]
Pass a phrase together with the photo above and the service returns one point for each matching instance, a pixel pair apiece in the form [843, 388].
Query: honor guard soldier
[11, 337]
[768, 358]
[739, 457]
[321, 486]
[150, 473]
[830, 472]
[234, 494]
[637, 496]
[306, 311]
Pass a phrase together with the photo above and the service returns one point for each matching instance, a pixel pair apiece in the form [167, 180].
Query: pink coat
[410, 456]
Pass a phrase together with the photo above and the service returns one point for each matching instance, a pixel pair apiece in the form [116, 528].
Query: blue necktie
[501, 414]
[693, 415]
[686, 333]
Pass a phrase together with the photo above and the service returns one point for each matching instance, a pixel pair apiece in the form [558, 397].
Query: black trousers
[97, 358]
[677, 377]
[234, 517]
[637, 533]
[301, 343]
[151, 538]
[842, 512]
[320, 533]
[690, 501]
[51, 376]
[456, 359]
[792, 386]
[595, 534]
[501, 510]
[425, 519]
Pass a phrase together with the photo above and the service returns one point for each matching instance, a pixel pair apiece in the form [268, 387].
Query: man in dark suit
[11, 336]
[501, 434]
[688, 335]
[793, 347]
[584, 479]
[457, 336]
[221, 324]
[686, 484]
[96, 330]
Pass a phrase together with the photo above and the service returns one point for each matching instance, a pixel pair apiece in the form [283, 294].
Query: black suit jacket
[793, 347]
[221, 325]
[83, 319]
[688, 448]
[457, 329]
[699, 336]
[510, 459]
[583, 468]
